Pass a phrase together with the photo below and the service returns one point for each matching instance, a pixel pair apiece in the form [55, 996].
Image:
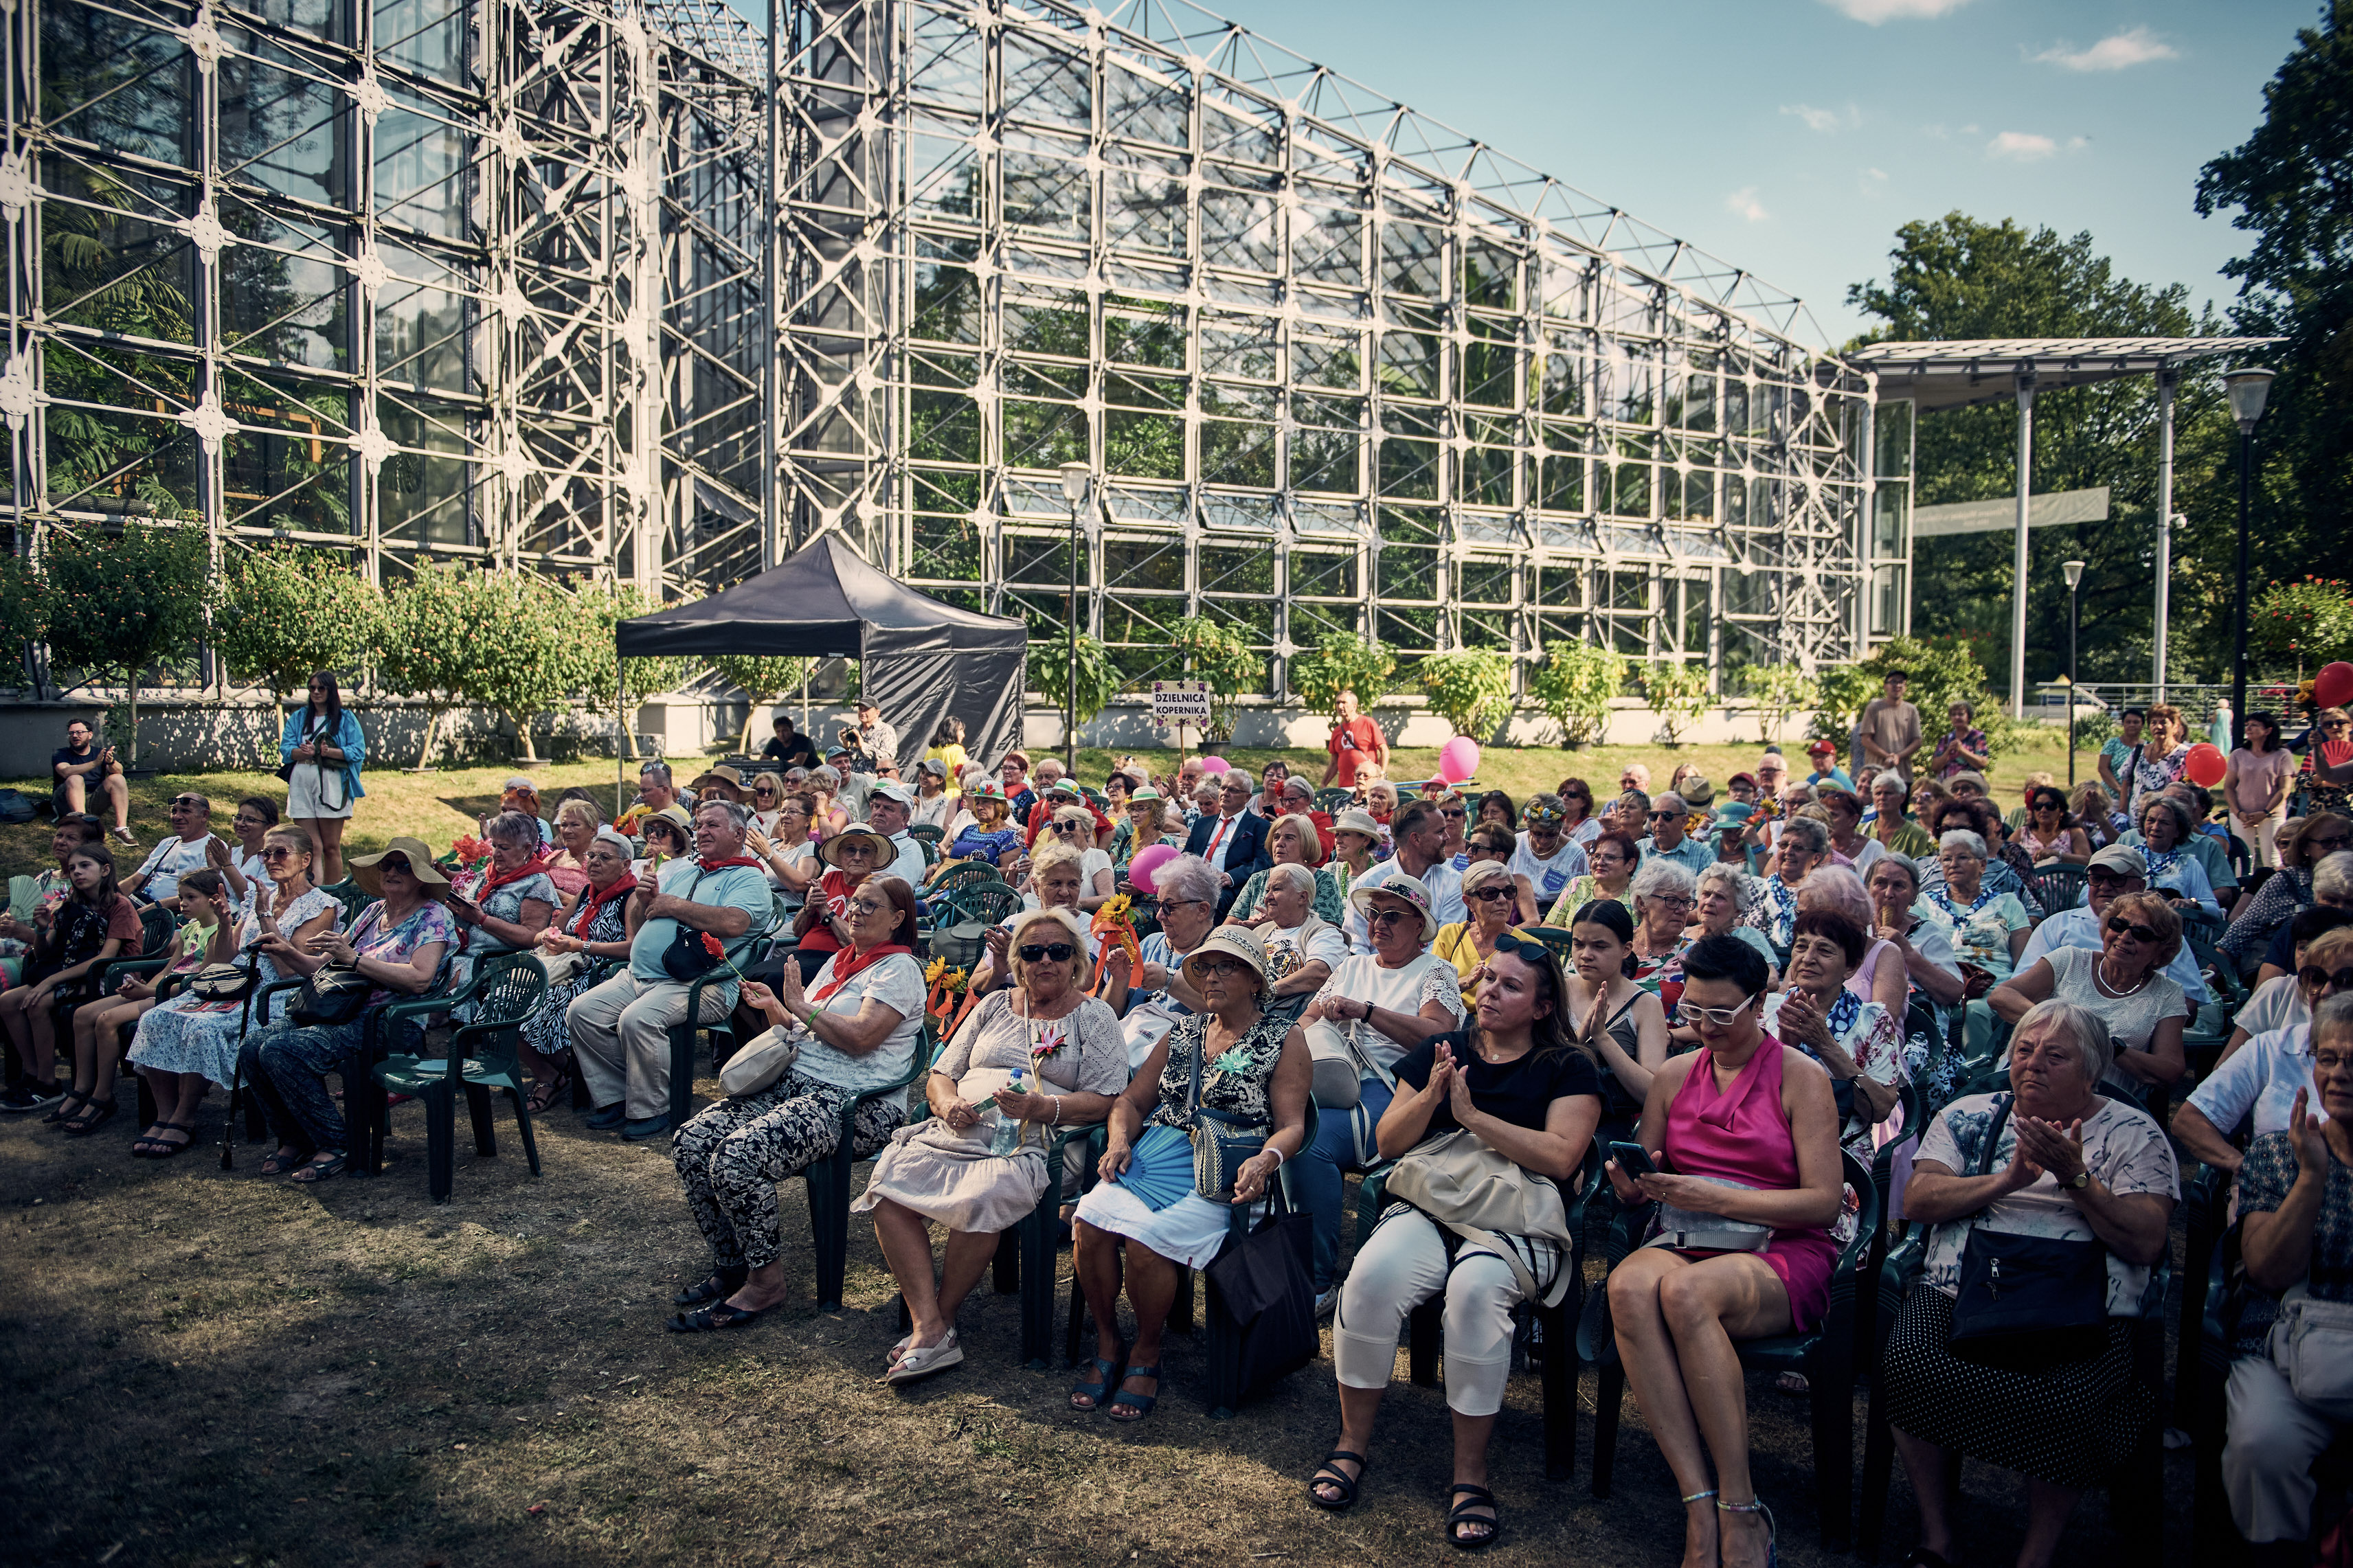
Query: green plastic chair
[963, 874]
[351, 896]
[987, 902]
[1557, 942]
[1334, 800]
[479, 1058]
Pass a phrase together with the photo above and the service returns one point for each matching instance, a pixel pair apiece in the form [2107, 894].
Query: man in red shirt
[1355, 743]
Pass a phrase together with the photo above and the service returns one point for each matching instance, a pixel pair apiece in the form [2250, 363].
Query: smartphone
[1633, 1158]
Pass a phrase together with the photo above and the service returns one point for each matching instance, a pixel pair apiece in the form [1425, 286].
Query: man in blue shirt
[620, 1030]
[1826, 768]
[1669, 839]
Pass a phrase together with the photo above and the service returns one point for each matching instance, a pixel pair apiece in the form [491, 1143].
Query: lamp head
[2074, 571]
[2248, 390]
[1076, 477]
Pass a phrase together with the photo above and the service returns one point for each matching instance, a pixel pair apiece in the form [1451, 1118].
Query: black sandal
[718, 1315]
[547, 1095]
[63, 1107]
[1325, 1475]
[160, 1148]
[722, 1284]
[1112, 1374]
[89, 1120]
[1459, 1515]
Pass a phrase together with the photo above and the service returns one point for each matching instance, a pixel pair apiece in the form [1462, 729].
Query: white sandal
[922, 1363]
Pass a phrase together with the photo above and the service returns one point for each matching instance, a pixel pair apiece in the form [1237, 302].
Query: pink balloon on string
[1458, 760]
[1146, 864]
[1214, 764]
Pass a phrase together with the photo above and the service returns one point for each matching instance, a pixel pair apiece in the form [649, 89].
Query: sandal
[321, 1166]
[718, 1315]
[1459, 1515]
[922, 1361]
[279, 1163]
[547, 1094]
[721, 1284]
[1141, 1404]
[1772, 1534]
[64, 1107]
[1098, 1393]
[162, 1149]
[89, 1120]
[1325, 1475]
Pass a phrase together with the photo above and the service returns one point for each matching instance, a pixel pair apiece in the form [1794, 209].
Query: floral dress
[1867, 1032]
[546, 1031]
[1233, 1083]
[187, 1034]
[1664, 977]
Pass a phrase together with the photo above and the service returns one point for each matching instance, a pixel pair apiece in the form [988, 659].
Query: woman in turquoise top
[322, 750]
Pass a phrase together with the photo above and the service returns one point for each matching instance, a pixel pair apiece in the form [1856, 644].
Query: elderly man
[1230, 837]
[1669, 841]
[1545, 860]
[889, 807]
[2116, 869]
[1772, 776]
[620, 1030]
[84, 767]
[157, 880]
[1633, 778]
[1189, 774]
[1420, 833]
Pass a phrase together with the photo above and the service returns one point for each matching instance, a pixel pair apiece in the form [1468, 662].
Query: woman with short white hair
[1664, 893]
[1717, 894]
[1988, 928]
[1302, 947]
[1292, 840]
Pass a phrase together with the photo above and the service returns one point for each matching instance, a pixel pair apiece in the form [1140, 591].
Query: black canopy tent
[919, 659]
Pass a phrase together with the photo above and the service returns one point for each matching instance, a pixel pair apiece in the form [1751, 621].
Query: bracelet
[1278, 1155]
[1058, 1110]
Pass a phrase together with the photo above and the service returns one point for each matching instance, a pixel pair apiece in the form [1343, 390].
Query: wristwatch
[2081, 1180]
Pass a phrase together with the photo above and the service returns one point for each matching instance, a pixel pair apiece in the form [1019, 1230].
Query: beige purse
[1482, 1195]
[760, 1064]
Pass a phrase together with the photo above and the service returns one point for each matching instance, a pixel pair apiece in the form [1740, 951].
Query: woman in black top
[1522, 1087]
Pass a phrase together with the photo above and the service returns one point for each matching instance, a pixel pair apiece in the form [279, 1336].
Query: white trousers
[2267, 1458]
[1402, 1265]
[2262, 840]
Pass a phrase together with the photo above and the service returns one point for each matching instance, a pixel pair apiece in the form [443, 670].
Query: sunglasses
[1666, 816]
[278, 852]
[763, 791]
[1722, 1017]
[1045, 951]
[1067, 826]
[1491, 895]
[2312, 977]
[188, 799]
[1457, 814]
[1514, 942]
[1379, 918]
[2138, 932]
[2330, 844]
[394, 863]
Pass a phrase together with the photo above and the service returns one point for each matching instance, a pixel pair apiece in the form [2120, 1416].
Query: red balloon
[2333, 687]
[2206, 765]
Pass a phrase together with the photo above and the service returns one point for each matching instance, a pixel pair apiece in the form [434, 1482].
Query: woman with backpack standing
[322, 750]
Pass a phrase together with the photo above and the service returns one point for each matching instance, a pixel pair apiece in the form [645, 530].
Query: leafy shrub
[1099, 679]
[1343, 662]
[763, 681]
[289, 610]
[1575, 685]
[2300, 625]
[1216, 653]
[137, 598]
[1679, 694]
[1471, 688]
[425, 652]
[524, 650]
[1775, 692]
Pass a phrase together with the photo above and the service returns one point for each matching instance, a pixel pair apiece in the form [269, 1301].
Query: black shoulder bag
[686, 959]
[2027, 1302]
[335, 992]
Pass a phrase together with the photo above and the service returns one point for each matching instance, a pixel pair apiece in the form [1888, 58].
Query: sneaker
[606, 1118]
[1325, 1302]
[124, 836]
[30, 1095]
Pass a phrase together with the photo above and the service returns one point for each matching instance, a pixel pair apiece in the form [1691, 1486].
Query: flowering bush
[2301, 625]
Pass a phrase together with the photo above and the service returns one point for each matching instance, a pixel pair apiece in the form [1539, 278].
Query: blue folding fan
[1159, 1167]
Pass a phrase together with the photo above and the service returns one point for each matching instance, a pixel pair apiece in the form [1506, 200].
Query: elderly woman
[566, 866]
[396, 945]
[2275, 1003]
[1962, 748]
[2163, 753]
[2166, 825]
[1302, 949]
[766, 789]
[1490, 897]
[211, 916]
[1988, 928]
[1893, 831]
[2056, 1160]
[2125, 983]
[1290, 840]
[1924, 949]
[2295, 1226]
[1622, 1024]
[1185, 893]
[1664, 893]
[241, 869]
[934, 803]
[2329, 726]
[1880, 976]
[859, 1020]
[2052, 836]
[1357, 843]
[851, 858]
[1747, 1128]
[514, 900]
[1717, 909]
[1381, 801]
[784, 847]
[2095, 812]
[1797, 848]
[1842, 814]
[1518, 1085]
[1055, 882]
[1073, 826]
[2258, 919]
[2258, 1082]
[185, 1043]
[667, 833]
[830, 815]
[1858, 1042]
[1378, 1006]
[1613, 857]
[1249, 1075]
[594, 929]
[1043, 1028]
[994, 837]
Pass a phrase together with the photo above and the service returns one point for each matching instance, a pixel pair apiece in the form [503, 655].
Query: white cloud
[2118, 51]
[1823, 120]
[1875, 12]
[1873, 181]
[1744, 203]
[2021, 147]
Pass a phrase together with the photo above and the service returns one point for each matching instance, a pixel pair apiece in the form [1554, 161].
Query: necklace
[2107, 987]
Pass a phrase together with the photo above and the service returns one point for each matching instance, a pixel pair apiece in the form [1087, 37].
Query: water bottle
[1006, 1139]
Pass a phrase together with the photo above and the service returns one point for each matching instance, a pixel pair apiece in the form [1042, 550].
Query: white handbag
[761, 1063]
[2312, 1346]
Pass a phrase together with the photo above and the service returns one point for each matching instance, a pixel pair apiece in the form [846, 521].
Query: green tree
[763, 681]
[138, 598]
[1471, 688]
[24, 603]
[1099, 677]
[288, 611]
[1960, 278]
[1343, 662]
[524, 649]
[425, 653]
[597, 608]
[1575, 684]
[1678, 694]
[1216, 653]
[2287, 184]
[1774, 691]
[1839, 692]
[2294, 628]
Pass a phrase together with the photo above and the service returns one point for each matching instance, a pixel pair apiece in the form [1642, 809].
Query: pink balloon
[1458, 760]
[1146, 864]
[1214, 764]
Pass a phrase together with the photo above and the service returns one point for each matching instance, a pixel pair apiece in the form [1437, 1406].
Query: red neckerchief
[857, 961]
[591, 900]
[709, 866]
[494, 879]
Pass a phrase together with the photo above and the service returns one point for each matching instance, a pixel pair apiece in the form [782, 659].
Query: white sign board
[2001, 515]
[1180, 703]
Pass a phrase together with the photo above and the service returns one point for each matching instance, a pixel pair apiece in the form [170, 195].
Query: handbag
[2312, 1346]
[2027, 1302]
[760, 1064]
[1482, 1195]
[686, 959]
[562, 967]
[1698, 1230]
[1263, 1300]
[221, 983]
[1217, 1156]
[335, 992]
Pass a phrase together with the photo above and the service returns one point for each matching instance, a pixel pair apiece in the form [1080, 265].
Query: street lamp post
[2248, 390]
[2074, 571]
[1076, 479]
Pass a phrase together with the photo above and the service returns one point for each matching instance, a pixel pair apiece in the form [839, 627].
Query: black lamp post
[1076, 479]
[2074, 571]
[2248, 390]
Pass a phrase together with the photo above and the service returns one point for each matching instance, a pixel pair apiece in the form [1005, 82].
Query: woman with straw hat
[850, 857]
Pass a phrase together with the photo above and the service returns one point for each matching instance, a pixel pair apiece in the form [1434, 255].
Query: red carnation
[713, 946]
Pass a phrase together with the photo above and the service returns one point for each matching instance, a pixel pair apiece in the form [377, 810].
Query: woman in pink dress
[1747, 1129]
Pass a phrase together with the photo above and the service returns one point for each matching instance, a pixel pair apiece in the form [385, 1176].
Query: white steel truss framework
[491, 280]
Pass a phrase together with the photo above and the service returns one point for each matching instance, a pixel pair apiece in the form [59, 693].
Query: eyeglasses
[1044, 951]
[1672, 900]
[1378, 919]
[278, 852]
[2138, 932]
[1457, 814]
[1722, 1017]
[2312, 977]
[869, 906]
[1216, 968]
[2329, 845]
[1491, 895]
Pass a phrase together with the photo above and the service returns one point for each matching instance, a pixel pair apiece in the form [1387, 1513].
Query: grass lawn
[217, 1370]
[440, 806]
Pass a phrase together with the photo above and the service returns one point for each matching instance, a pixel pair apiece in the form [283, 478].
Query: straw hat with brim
[1235, 942]
[367, 869]
[830, 850]
[732, 777]
[1410, 888]
[1354, 821]
[1697, 793]
[1147, 794]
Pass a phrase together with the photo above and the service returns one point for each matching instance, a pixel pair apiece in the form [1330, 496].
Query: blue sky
[1791, 137]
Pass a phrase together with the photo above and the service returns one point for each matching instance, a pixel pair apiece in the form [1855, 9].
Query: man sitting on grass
[83, 768]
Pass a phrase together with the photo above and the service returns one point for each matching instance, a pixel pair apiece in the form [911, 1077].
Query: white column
[2017, 562]
[2166, 379]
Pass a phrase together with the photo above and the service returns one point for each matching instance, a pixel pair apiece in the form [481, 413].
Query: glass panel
[1144, 446]
[111, 258]
[944, 63]
[428, 37]
[1047, 187]
[1145, 203]
[1319, 576]
[281, 131]
[1411, 259]
[424, 491]
[1135, 105]
[1043, 435]
[1145, 331]
[1328, 246]
[1408, 468]
[420, 173]
[116, 82]
[1240, 229]
[1324, 460]
[1237, 454]
[1045, 83]
[943, 426]
[1238, 346]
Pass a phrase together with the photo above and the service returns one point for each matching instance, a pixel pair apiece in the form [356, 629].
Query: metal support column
[2018, 559]
[2166, 380]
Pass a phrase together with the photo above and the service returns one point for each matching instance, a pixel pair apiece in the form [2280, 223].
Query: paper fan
[1160, 1167]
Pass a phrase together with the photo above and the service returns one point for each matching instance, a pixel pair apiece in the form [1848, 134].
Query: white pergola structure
[1965, 373]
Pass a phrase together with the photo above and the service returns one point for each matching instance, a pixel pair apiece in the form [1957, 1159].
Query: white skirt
[303, 802]
[1188, 1232]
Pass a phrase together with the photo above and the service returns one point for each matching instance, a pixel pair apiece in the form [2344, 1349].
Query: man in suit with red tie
[1233, 841]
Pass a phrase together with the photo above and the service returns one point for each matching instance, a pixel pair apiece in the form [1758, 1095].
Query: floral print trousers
[732, 1154]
